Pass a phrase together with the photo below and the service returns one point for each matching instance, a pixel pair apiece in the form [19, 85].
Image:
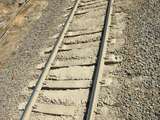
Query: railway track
[69, 84]
[10, 22]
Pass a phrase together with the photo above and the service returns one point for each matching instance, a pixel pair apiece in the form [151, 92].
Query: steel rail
[92, 103]
[39, 84]
[12, 19]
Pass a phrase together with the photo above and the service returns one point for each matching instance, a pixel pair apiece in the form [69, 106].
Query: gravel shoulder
[138, 75]
[19, 64]
[132, 90]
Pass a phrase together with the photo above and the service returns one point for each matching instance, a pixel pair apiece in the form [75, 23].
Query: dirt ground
[20, 50]
[137, 95]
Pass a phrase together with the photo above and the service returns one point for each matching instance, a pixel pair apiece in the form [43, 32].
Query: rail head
[12, 19]
[99, 66]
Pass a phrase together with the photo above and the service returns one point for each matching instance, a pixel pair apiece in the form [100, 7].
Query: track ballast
[70, 80]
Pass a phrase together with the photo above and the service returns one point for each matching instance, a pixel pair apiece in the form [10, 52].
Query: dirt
[20, 51]
[133, 92]
[77, 60]
[16, 26]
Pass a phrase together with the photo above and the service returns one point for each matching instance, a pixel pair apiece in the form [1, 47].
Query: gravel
[139, 73]
[21, 65]
[8, 1]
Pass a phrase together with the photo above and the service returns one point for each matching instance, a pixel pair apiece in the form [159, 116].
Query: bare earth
[19, 51]
[133, 91]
